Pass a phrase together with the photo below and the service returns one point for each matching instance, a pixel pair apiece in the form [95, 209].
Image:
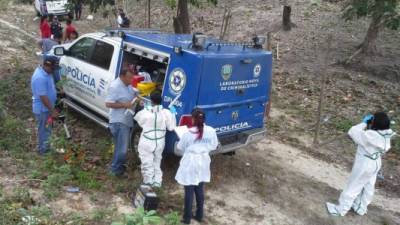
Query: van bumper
[233, 142]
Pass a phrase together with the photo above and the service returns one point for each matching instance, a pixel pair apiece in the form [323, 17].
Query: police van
[231, 82]
[54, 7]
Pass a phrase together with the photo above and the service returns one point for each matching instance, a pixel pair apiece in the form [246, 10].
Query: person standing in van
[194, 167]
[119, 99]
[155, 121]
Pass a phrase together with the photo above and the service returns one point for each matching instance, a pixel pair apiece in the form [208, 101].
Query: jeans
[198, 191]
[121, 136]
[44, 131]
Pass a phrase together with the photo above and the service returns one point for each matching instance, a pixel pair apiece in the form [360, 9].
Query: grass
[19, 206]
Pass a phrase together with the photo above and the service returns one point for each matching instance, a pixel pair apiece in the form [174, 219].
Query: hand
[172, 109]
[54, 113]
[368, 118]
[128, 105]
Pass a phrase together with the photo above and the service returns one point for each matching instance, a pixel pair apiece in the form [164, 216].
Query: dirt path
[333, 175]
[274, 183]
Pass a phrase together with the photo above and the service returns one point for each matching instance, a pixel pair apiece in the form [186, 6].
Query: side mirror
[59, 51]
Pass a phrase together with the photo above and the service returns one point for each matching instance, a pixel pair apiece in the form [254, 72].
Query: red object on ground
[45, 29]
[137, 79]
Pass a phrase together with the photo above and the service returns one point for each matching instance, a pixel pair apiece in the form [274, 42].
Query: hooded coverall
[359, 191]
[155, 121]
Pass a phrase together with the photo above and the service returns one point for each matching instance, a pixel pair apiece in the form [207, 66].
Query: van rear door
[234, 90]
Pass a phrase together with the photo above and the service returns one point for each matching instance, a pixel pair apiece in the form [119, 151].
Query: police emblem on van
[257, 70]
[177, 80]
[226, 71]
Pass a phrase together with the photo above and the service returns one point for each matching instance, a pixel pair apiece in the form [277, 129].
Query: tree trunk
[368, 46]
[286, 22]
[182, 21]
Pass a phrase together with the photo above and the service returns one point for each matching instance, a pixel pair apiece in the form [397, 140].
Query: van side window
[102, 55]
[81, 49]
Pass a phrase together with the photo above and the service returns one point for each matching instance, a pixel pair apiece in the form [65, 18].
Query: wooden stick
[322, 93]
[277, 51]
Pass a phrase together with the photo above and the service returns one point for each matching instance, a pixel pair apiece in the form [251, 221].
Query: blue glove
[368, 118]
[172, 109]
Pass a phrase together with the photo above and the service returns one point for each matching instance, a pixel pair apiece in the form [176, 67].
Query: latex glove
[368, 118]
[172, 109]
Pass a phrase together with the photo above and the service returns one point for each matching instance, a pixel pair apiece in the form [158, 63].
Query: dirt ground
[284, 179]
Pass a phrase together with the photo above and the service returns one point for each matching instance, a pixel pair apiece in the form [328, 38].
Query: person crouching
[194, 167]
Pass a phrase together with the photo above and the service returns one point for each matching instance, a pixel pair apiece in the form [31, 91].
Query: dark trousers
[198, 191]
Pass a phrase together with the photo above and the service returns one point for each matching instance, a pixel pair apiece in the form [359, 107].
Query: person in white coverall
[194, 167]
[155, 121]
[372, 137]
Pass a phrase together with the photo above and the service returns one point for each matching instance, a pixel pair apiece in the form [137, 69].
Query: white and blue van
[231, 82]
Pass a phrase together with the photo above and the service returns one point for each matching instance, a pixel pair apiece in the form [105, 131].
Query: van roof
[167, 41]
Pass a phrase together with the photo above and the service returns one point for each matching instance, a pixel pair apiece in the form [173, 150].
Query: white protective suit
[194, 166]
[154, 121]
[360, 186]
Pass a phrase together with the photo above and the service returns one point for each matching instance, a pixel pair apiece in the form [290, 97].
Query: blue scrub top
[42, 84]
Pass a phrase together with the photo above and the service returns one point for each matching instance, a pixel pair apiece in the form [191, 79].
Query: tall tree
[182, 19]
[383, 13]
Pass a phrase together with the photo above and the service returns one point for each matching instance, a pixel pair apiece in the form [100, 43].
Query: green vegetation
[19, 207]
[343, 124]
[140, 217]
[172, 218]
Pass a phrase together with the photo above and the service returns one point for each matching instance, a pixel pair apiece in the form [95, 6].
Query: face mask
[147, 105]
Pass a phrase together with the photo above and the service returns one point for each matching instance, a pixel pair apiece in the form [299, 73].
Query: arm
[214, 141]
[112, 100]
[46, 102]
[357, 134]
[183, 143]
[170, 120]
[119, 105]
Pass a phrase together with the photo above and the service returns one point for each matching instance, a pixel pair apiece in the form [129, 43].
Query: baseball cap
[50, 60]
